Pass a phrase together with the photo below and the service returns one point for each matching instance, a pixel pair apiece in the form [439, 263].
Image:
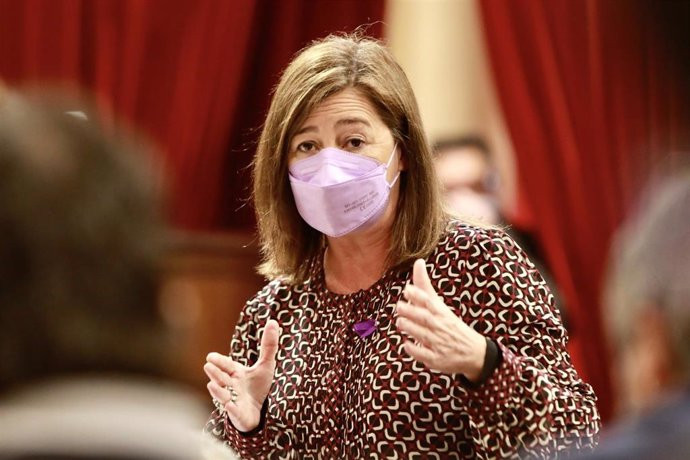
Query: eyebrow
[342, 121]
[353, 121]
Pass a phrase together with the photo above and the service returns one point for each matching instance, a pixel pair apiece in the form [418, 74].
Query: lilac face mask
[337, 192]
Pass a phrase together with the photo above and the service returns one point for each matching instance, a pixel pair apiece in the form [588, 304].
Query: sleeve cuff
[492, 359]
[489, 398]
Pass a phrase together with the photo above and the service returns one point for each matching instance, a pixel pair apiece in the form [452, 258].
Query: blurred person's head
[465, 169]
[648, 297]
[79, 249]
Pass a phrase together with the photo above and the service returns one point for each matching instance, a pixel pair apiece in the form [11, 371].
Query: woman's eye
[355, 143]
[305, 147]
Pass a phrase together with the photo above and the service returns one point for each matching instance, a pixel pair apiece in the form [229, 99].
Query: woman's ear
[402, 158]
[648, 361]
[655, 335]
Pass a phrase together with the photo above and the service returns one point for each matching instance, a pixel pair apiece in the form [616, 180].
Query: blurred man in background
[469, 179]
[648, 319]
[84, 348]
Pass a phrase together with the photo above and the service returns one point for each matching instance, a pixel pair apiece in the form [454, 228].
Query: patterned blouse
[339, 395]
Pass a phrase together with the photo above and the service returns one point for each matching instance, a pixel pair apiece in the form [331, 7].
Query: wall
[440, 45]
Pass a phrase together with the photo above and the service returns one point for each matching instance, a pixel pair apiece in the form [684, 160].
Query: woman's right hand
[250, 384]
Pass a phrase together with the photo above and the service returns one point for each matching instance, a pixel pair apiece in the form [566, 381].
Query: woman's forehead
[344, 107]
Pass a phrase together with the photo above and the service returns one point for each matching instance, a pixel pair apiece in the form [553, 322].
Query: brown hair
[320, 70]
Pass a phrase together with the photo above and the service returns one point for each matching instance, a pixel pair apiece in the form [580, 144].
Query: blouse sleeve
[534, 402]
[244, 348]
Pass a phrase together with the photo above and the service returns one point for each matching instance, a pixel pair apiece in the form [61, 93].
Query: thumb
[269, 343]
[420, 278]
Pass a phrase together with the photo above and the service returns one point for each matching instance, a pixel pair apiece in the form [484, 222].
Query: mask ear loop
[390, 159]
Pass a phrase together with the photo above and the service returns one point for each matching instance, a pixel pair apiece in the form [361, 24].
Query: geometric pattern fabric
[338, 395]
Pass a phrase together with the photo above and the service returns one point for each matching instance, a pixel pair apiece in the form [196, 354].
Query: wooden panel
[207, 280]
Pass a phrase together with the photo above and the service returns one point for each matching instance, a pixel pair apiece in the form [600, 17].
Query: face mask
[337, 192]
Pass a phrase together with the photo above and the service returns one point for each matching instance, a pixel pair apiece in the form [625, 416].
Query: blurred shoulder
[662, 433]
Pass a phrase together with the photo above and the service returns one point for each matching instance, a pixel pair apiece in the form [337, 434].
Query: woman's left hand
[441, 340]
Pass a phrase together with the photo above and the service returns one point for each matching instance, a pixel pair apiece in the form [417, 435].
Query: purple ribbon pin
[365, 328]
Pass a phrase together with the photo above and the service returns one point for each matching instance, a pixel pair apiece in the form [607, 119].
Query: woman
[388, 329]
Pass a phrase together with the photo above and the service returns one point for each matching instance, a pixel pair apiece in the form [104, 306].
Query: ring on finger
[218, 405]
[233, 393]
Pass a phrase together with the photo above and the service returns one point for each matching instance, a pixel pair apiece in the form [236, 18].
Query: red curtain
[194, 75]
[592, 100]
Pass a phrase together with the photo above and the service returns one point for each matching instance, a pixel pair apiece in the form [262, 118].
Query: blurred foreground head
[79, 249]
[649, 297]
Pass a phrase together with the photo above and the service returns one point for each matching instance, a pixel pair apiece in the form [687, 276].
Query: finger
[224, 363]
[421, 354]
[219, 393]
[225, 398]
[269, 343]
[421, 316]
[420, 278]
[418, 297]
[216, 375]
[415, 331]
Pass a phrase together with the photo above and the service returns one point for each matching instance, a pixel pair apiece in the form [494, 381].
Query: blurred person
[648, 320]
[468, 177]
[84, 348]
[471, 185]
[388, 329]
